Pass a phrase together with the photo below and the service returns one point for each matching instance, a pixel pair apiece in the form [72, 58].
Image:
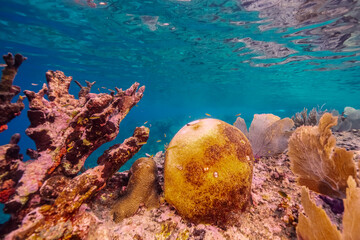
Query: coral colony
[214, 181]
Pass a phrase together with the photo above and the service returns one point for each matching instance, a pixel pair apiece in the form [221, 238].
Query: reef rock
[208, 172]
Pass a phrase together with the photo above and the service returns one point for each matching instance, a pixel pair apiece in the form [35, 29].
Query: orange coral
[3, 127]
[317, 226]
[316, 161]
[5, 194]
[351, 218]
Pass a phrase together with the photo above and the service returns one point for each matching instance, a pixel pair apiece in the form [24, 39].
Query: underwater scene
[180, 119]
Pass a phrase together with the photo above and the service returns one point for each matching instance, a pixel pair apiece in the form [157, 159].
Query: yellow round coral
[208, 171]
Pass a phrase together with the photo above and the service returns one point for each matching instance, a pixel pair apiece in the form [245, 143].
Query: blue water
[194, 57]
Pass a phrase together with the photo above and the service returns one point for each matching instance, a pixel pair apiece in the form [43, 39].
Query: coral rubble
[208, 171]
[8, 109]
[48, 190]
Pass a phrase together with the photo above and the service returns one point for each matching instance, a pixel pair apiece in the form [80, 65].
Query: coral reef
[8, 109]
[268, 134]
[11, 168]
[47, 190]
[57, 220]
[316, 161]
[202, 161]
[316, 224]
[349, 119]
[241, 124]
[142, 189]
[353, 116]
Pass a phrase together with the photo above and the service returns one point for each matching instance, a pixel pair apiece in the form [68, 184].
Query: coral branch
[11, 167]
[66, 131]
[8, 90]
[58, 216]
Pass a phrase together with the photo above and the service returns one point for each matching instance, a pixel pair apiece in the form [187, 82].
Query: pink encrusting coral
[66, 131]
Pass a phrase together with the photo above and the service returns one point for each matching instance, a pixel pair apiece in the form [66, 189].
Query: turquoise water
[194, 57]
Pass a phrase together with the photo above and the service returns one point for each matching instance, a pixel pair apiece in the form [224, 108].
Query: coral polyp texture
[268, 134]
[317, 162]
[66, 130]
[142, 189]
[208, 172]
[317, 226]
[8, 109]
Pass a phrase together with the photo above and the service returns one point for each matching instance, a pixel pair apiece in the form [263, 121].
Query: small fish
[167, 149]
[66, 105]
[145, 122]
[86, 142]
[103, 3]
[142, 143]
[164, 134]
[150, 125]
[207, 114]
[99, 89]
[237, 114]
[242, 141]
[34, 84]
[148, 155]
[3, 65]
[94, 117]
[158, 141]
[68, 150]
[103, 87]
[192, 123]
[283, 194]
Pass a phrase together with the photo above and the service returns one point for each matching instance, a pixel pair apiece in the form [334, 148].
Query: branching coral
[317, 226]
[11, 167]
[8, 109]
[303, 119]
[56, 220]
[316, 161]
[66, 131]
[268, 134]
